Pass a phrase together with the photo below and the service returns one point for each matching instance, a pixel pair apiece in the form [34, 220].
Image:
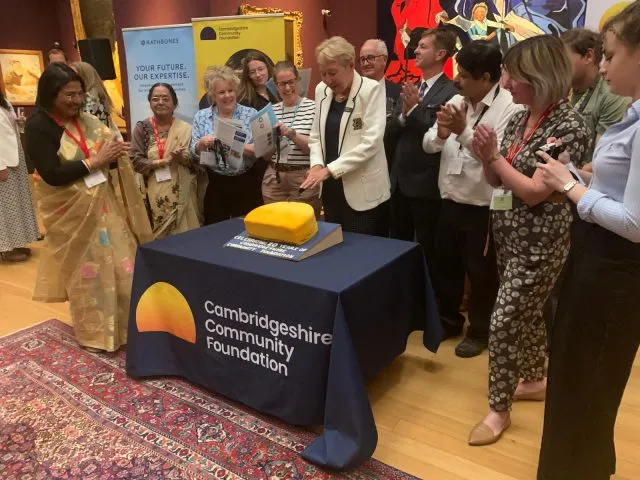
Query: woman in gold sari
[160, 152]
[89, 254]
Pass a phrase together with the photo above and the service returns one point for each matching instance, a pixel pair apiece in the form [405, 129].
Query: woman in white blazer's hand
[346, 143]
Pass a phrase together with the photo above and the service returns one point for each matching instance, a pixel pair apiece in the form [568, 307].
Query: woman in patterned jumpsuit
[531, 223]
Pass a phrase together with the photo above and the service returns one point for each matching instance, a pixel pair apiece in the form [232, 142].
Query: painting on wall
[402, 22]
[20, 71]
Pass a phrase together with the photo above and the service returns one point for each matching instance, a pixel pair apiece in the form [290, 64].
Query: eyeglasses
[253, 73]
[160, 99]
[369, 58]
[288, 83]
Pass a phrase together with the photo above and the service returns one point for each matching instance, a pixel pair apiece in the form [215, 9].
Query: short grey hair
[381, 46]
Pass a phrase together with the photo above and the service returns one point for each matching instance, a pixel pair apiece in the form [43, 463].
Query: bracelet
[88, 163]
[496, 156]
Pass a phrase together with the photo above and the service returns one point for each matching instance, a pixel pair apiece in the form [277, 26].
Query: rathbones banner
[160, 54]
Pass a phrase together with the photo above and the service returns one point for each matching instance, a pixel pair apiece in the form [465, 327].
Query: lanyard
[80, 142]
[484, 110]
[161, 143]
[584, 99]
[295, 112]
[514, 149]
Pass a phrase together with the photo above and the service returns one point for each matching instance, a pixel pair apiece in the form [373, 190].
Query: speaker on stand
[97, 52]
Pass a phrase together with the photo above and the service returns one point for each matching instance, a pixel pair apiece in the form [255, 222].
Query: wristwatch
[567, 188]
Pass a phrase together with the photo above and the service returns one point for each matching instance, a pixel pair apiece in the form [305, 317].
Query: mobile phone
[553, 150]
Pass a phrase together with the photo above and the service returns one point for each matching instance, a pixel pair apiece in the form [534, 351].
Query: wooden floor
[424, 404]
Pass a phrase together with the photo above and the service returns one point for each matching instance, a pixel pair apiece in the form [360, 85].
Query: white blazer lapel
[325, 104]
[349, 107]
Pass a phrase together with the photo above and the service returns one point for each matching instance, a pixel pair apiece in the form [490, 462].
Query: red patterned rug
[66, 413]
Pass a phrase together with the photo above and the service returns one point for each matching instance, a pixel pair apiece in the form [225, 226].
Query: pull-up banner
[160, 54]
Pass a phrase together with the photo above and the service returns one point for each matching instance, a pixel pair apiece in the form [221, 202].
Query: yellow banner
[226, 40]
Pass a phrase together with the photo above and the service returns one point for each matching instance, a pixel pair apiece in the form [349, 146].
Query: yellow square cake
[284, 222]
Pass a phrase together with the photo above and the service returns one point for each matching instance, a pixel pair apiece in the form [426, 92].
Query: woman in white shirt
[18, 225]
[288, 166]
[596, 333]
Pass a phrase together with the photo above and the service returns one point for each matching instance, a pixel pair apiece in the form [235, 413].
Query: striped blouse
[300, 118]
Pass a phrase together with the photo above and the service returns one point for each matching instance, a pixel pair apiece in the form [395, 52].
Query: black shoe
[470, 347]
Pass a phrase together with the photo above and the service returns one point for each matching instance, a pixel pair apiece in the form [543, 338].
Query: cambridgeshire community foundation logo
[162, 308]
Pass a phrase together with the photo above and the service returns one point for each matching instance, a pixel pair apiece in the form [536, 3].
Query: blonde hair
[219, 73]
[543, 63]
[336, 49]
[93, 83]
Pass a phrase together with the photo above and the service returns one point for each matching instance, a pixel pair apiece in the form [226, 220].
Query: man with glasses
[373, 61]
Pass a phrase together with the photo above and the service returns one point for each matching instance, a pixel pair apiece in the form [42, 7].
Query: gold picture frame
[20, 71]
[294, 18]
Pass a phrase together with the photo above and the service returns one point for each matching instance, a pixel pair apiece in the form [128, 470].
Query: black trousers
[336, 210]
[415, 218]
[228, 197]
[461, 240]
[594, 342]
[578, 230]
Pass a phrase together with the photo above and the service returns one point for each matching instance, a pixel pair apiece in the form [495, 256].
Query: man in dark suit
[415, 200]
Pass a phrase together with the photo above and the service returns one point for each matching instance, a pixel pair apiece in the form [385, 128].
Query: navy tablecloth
[297, 340]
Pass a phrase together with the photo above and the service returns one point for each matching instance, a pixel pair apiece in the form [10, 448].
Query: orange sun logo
[162, 308]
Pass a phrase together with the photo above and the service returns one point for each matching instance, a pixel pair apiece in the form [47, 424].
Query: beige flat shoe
[93, 350]
[482, 435]
[538, 396]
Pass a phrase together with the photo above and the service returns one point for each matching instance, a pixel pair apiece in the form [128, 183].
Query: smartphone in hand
[553, 150]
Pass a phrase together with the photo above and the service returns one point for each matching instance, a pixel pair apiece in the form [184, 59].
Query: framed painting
[20, 71]
[293, 25]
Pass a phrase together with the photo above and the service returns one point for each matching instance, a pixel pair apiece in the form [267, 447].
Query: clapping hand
[454, 118]
[109, 152]
[178, 155]
[410, 97]
[443, 131]
[485, 144]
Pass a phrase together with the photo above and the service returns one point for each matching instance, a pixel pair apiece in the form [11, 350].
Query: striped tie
[423, 89]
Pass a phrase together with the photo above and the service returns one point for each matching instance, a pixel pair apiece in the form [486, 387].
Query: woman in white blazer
[18, 225]
[346, 143]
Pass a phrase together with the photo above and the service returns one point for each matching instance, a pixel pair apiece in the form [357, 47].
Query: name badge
[455, 164]
[501, 199]
[208, 157]
[94, 179]
[163, 174]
